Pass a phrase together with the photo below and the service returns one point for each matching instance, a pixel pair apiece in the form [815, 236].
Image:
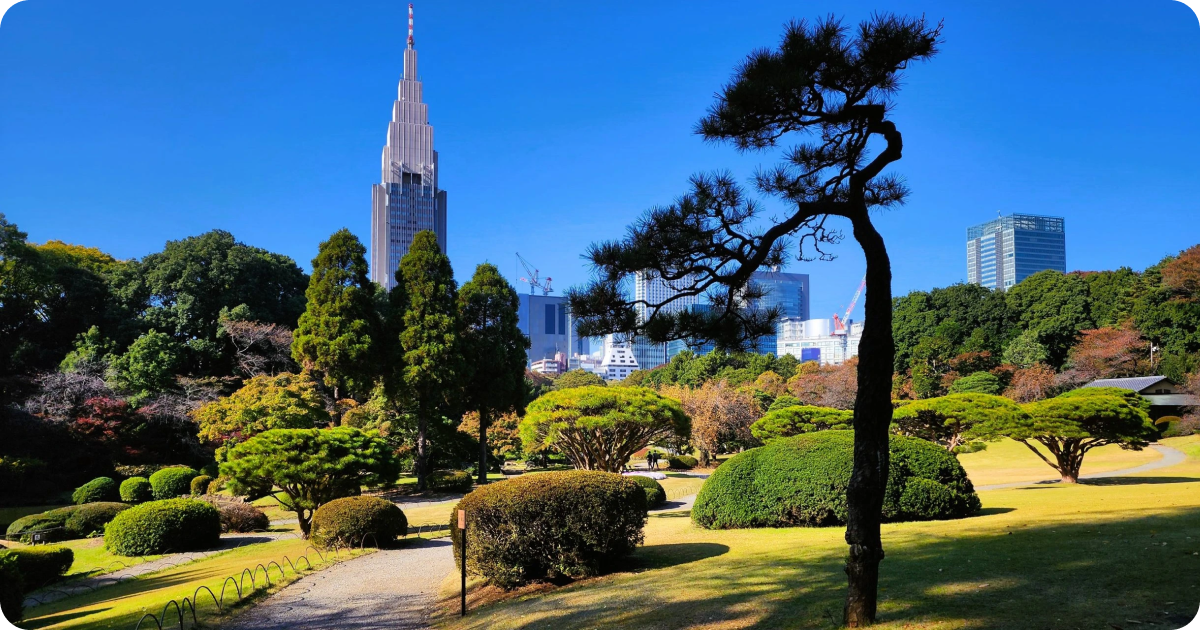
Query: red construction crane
[533, 280]
[839, 325]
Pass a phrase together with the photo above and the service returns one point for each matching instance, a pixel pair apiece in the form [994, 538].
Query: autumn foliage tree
[826, 385]
[721, 416]
[1035, 382]
[284, 401]
[1106, 353]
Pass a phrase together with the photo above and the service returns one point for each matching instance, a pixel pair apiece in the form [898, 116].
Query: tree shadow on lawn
[60, 618]
[1135, 481]
[1056, 575]
[673, 554]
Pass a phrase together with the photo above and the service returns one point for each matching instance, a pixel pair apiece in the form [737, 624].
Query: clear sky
[127, 123]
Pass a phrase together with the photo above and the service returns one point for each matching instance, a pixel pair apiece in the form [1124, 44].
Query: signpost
[462, 531]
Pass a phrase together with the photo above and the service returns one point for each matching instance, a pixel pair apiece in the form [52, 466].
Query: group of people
[652, 460]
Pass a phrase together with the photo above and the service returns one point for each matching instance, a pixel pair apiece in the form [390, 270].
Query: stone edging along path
[1170, 457]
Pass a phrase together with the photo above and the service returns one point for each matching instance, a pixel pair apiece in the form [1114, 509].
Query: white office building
[818, 340]
[618, 361]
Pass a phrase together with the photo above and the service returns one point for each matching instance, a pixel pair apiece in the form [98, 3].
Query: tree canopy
[284, 401]
[578, 378]
[954, 419]
[795, 420]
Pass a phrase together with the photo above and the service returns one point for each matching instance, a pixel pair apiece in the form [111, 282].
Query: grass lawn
[1009, 461]
[678, 486]
[122, 605]
[91, 558]
[1120, 553]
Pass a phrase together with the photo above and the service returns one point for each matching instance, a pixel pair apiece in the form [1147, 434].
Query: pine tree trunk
[872, 418]
[483, 446]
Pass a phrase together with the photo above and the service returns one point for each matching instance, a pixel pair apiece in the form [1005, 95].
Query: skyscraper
[1005, 251]
[408, 199]
[788, 292]
[649, 287]
[546, 321]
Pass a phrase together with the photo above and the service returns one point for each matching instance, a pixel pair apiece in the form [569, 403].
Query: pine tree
[338, 330]
[429, 360]
[487, 310]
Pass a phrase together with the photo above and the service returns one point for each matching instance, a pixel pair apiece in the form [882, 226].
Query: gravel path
[1170, 457]
[391, 588]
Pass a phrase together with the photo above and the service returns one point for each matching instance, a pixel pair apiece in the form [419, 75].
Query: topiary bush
[98, 489]
[172, 483]
[52, 523]
[40, 565]
[358, 521]
[242, 518]
[167, 526]
[216, 485]
[90, 519]
[681, 462]
[199, 485]
[12, 589]
[136, 490]
[655, 495]
[802, 480]
[550, 525]
[450, 480]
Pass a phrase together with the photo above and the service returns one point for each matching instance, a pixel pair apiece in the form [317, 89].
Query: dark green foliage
[21, 476]
[692, 370]
[91, 518]
[52, 522]
[173, 482]
[977, 383]
[169, 526]
[12, 588]
[136, 490]
[1054, 307]
[359, 522]
[578, 378]
[199, 485]
[149, 365]
[339, 330]
[968, 317]
[550, 526]
[797, 419]
[802, 481]
[450, 480]
[681, 462]
[242, 517]
[98, 489]
[655, 495]
[1112, 294]
[783, 402]
[40, 565]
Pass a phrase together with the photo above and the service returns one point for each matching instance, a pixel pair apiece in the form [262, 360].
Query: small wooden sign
[462, 519]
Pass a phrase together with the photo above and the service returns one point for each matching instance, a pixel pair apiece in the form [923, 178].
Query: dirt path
[1170, 457]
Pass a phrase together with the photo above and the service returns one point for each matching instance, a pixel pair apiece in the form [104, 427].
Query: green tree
[578, 378]
[930, 362]
[977, 383]
[283, 401]
[600, 428]
[1024, 350]
[1054, 307]
[340, 324]
[92, 350]
[492, 338]
[955, 419]
[149, 365]
[1112, 294]
[430, 365]
[798, 419]
[311, 466]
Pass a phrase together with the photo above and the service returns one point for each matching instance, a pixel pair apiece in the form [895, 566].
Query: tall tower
[408, 199]
[1005, 251]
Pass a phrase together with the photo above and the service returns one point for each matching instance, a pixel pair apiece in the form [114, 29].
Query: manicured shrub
[136, 490]
[167, 526]
[40, 565]
[199, 485]
[450, 480]
[681, 462]
[802, 480]
[550, 525]
[12, 589]
[172, 483]
[216, 485]
[358, 521]
[91, 518]
[52, 523]
[242, 517]
[655, 495]
[98, 489]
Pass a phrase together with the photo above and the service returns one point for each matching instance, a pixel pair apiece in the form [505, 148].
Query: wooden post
[462, 531]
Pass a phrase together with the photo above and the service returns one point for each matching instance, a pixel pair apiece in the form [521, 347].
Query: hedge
[12, 589]
[242, 518]
[802, 480]
[40, 565]
[136, 490]
[551, 525]
[358, 521]
[655, 495]
[98, 489]
[91, 518]
[450, 480]
[199, 485]
[167, 526]
[172, 483]
[682, 462]
[52, 522]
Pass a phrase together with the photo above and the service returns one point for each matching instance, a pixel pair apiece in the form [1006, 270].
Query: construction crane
[839, 325]
[533, 279]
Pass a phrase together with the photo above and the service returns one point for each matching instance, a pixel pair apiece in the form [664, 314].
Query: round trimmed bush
[682, 462]
[199, 485]
[358, 521]
[450, 480]
[167, 526]
[802, 480]
[98, 489]
[91, 518]
[550, 525]
[41, 565]
[52, 523]
[12, 589]
[216, 485]
[243, 517]
[136, 490]
[173, 482]
[655, 495]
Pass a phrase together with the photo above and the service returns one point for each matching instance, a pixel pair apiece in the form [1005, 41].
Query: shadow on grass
[679, 514]
[674, 554]
[1135, 481]
[991, 511]
[66, 616]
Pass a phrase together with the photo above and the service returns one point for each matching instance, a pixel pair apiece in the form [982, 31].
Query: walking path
[1170, 457]
[392, 588]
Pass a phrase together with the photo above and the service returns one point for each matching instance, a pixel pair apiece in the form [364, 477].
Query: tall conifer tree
[487, 308]
[339, 328]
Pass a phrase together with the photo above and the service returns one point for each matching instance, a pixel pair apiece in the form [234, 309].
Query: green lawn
[91, 558]
[1115, 553]
[1009, 461]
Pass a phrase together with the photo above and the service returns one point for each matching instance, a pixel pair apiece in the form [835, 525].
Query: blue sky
[125, 124]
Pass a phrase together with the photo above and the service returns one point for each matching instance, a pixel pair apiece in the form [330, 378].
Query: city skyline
[280, 135]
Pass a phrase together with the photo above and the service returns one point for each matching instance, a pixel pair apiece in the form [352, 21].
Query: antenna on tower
[410, 24]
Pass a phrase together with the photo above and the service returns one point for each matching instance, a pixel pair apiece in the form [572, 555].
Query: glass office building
[547, 322]
[1005, 251]
[789, 292]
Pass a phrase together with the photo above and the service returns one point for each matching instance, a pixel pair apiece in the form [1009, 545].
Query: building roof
[1137, 383]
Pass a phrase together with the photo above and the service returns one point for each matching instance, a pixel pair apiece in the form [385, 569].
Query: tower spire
[410, 26]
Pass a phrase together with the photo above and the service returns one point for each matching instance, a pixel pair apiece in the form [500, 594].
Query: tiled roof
[1137, 383]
